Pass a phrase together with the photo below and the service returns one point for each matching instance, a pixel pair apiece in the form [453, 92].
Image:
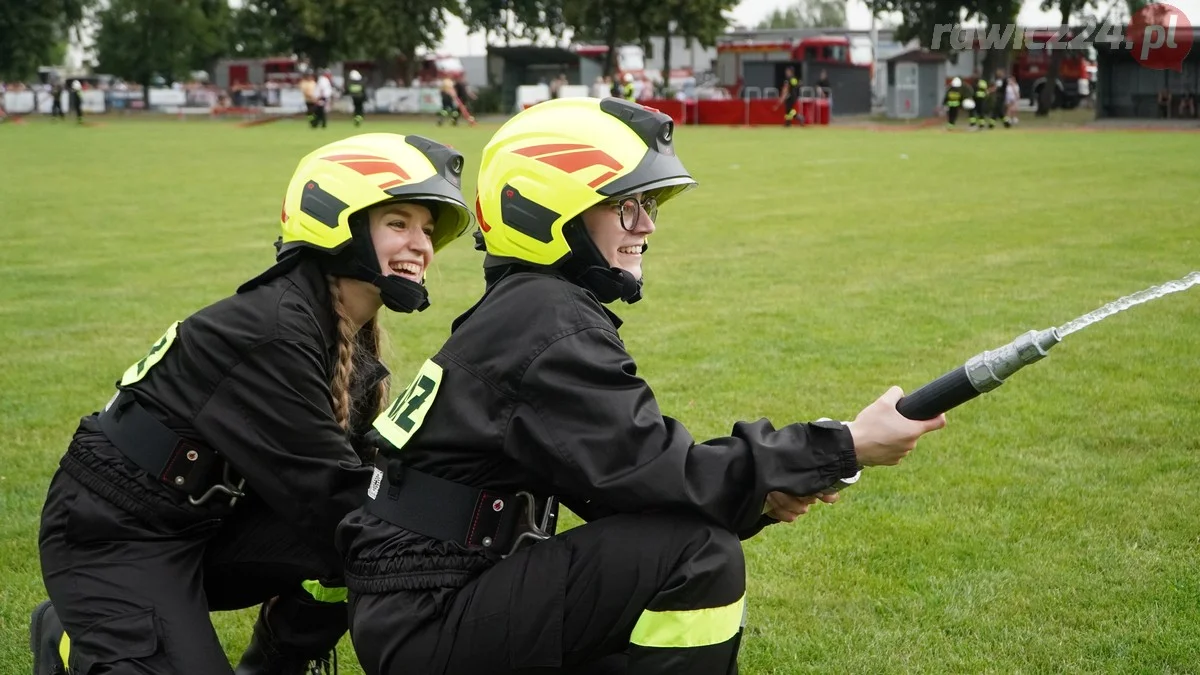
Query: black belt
[183, 464]
[449, 511]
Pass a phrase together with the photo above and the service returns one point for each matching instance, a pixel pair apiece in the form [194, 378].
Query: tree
[32, 33]
[807, 14]
[1066, 8]
[139, 39]
[610, 22]
[384, 29]
[512, 18]
[699, 20]
[213, 39]
[921, 18]
[996, 15]
[255, 32]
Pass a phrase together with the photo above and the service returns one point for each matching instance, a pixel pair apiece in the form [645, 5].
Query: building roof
[534, 54]
[918, 56]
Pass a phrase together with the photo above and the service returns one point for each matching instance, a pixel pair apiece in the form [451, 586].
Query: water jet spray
[990, 369]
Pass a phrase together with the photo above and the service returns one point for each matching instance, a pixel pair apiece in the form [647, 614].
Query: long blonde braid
[339, 387]
[352, 348]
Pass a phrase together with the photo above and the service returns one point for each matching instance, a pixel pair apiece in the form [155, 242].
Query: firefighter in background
[324, 97]
[789, 96]
[953, 102]
[450, 565]
[629, 91]
[997, 106]
[462, 94]
[308, 87]
[358, 94]
[979, 108]
[56, 92]
[216, 475]
[449, 109]
[76, 100]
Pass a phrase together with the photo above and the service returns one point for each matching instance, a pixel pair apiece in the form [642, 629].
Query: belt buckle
[226, 486]
[529, 530]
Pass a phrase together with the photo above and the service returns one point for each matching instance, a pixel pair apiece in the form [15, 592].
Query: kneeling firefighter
[215, 477]
[452, 564]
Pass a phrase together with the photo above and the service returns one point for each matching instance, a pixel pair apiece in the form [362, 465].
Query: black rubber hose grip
[948, 391]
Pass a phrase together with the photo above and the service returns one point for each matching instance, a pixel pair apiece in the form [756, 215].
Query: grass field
[1051, 528]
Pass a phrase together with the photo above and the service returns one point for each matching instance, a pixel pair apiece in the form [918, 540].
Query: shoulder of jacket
[277, 310]
[549, 302]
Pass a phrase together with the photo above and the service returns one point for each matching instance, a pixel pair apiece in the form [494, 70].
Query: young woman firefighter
[215, 477]
[534, 399]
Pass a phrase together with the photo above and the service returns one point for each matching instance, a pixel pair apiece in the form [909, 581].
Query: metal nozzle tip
[1047, 338]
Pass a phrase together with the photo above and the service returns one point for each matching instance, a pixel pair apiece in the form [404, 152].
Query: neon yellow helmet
[553, 161]
[327, 198]
[345, 177]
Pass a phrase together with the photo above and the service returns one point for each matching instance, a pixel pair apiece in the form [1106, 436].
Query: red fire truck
[1031, 67]
[819, 49]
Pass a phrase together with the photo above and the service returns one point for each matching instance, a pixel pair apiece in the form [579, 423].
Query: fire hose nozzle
[980, 374]
[990, 369]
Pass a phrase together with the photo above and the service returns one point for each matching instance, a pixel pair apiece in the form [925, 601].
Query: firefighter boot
[295, 637]
[47, 641]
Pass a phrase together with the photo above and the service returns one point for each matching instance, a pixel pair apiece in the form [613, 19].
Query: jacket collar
[493, 276]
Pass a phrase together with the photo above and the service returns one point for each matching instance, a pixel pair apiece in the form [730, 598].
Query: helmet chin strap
[358, 261]
[588, 267]
[400, 294]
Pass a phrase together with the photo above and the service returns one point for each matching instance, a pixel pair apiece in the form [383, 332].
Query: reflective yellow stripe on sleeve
[688, 628]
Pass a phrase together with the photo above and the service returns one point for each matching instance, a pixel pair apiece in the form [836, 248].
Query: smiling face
[402, 234]
[619, 230]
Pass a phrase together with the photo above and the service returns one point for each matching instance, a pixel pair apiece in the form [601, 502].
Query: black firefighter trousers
[135, 597]
[634, 594]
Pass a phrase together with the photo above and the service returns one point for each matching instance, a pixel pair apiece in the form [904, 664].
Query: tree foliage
[698, 20]
[919, 18]
[33, 32]
[138, 39]
[1066, 8]
[807, 14]
[505, 19]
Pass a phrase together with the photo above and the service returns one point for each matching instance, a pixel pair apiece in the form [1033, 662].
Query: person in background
[1012, 101]
[76, 99]
[358, 95]
[952, 102]
[324, 97]
[308, 87]
[824, 88]
[789, 96]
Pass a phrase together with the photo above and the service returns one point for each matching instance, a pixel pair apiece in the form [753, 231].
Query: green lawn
[1051, 528]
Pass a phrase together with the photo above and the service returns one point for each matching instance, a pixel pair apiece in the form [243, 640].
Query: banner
[162, 98]
[21, 102]
[395, 100]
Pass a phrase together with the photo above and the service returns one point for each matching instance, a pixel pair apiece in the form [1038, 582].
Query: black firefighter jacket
[248, 377]
[538, 393]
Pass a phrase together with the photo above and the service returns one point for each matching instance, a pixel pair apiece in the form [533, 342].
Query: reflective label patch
[158, 350]
[404, 416]
[376, 481]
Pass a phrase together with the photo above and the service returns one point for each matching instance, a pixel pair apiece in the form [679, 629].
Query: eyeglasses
[630, 210]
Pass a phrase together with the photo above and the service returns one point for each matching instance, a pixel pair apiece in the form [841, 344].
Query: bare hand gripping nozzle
[980, 374]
